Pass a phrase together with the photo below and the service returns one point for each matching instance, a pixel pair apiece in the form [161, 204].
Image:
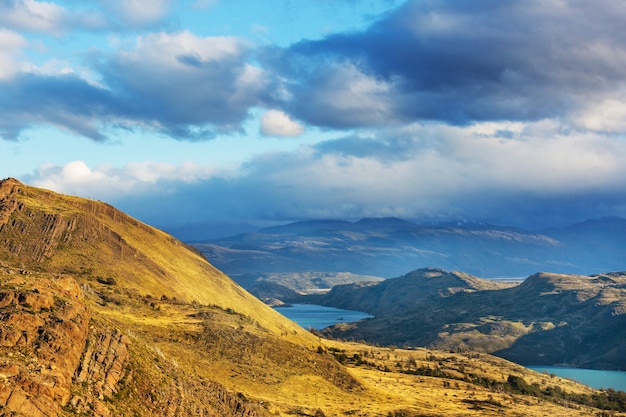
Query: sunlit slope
[42, 230]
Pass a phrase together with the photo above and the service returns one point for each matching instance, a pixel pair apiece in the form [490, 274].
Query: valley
[103, 315]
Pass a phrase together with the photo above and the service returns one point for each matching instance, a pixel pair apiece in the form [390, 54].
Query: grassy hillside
[95, 242]
[105, 316]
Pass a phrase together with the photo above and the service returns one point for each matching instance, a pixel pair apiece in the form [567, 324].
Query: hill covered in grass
[105, 316]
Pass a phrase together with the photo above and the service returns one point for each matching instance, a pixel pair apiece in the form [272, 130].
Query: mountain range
[390, 247]
[103, 315]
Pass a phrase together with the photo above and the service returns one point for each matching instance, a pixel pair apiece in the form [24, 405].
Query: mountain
[548, 319]
[390, 247]
[277, 286]
[105, 316]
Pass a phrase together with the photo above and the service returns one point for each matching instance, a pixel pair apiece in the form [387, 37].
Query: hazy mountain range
[389, 247]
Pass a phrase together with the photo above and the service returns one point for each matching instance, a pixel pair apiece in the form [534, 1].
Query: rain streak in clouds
[508, 112]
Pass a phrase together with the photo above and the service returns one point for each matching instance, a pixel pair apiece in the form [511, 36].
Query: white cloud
[138, 12]
[474, 171]
[32, 15]
[107, 182]
[47, 17]
[180, 83]
[349, 91]
[501, 172]
[277, 123]
[608, 116]
[182, 49]
[10, 45]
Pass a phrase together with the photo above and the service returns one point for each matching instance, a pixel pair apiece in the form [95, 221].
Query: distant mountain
[279, 287]
[548, 319]
[389, 247]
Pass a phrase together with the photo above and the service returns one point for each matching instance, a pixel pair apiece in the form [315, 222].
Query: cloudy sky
[233, 112]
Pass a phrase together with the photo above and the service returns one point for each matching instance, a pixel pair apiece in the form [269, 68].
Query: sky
[204, 117]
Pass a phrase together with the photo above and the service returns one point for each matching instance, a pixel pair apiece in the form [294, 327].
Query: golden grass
[179, 335]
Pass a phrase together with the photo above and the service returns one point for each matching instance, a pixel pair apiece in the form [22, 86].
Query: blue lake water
[591, 377]
[317, 317]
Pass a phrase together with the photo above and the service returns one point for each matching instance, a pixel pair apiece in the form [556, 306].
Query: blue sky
[239, 112]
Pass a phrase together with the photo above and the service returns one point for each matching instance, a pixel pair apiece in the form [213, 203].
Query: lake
[591, 377]
[318, 317]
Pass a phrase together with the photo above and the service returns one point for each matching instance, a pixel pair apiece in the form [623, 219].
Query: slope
[63, 234]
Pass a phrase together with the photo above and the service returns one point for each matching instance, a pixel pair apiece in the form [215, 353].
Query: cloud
[109, 183]
[535, 175]
[138, 13]
[32, 15]
[46, 17]
[443, 61]
[459, 63]
[10, 45]
[63, 100]
[181, 85]
[277, 123]
[604, 115]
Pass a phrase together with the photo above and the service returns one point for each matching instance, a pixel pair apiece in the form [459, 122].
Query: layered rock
[43, 333]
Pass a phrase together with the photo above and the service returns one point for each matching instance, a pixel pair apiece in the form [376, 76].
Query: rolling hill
[105, 316]
[548, 319]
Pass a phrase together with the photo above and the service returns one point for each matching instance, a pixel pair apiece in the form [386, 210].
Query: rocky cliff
[43, 333]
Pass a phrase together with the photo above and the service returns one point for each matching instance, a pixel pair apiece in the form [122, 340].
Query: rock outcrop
[103, 365]
[42, 336]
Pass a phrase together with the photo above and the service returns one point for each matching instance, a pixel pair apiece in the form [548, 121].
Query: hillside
[389, 247]
[105, 316]
[548, 319]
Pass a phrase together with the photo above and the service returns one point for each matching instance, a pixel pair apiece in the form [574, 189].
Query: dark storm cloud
[460, 62]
